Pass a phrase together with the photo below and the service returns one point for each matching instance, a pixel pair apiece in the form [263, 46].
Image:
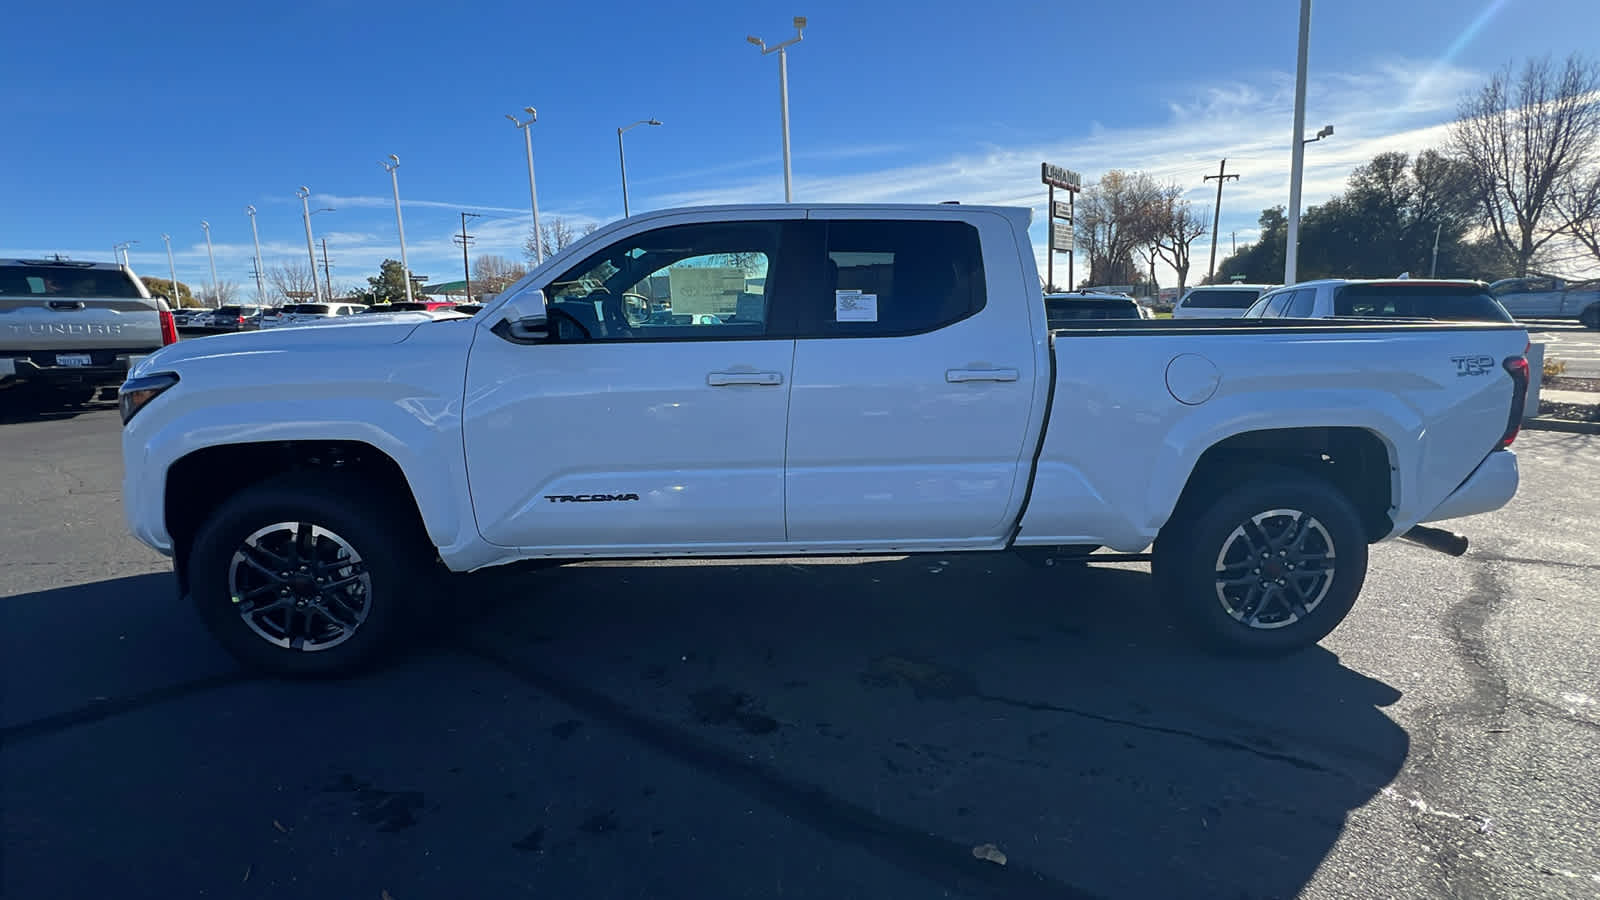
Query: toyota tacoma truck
[69, 328]
[853, 380]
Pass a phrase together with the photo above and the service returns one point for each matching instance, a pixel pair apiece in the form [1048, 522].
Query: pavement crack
[101, 710]
[943, 861]
[1211, 740]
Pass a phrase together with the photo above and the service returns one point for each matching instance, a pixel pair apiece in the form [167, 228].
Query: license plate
[73, 359]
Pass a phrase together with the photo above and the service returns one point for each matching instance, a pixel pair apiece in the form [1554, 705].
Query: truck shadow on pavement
[890, 728]
[925, 707]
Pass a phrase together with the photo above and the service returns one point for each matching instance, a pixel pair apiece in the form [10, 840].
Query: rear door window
[890, 277]
[1444, 302]
[1277, 303]
[66, 281]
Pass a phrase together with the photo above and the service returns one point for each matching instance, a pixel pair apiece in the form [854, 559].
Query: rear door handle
[66, 304]
[723, 379]
[961, 376]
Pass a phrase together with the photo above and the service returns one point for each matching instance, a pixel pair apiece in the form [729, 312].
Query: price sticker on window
[854, 306]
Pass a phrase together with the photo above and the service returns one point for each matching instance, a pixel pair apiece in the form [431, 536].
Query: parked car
[313, 313]
[230, 318]
[1061, 310]
[185, 316]
[1542, 297]
[1382, 298]
[69, 328]
[1218, 301]
[889, 386]
[411, 306]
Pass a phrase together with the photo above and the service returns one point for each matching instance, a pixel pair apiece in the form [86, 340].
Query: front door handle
[723, 379]
[66, 304]
[962, 376]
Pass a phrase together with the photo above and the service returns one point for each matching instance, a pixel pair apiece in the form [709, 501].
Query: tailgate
[30, 325]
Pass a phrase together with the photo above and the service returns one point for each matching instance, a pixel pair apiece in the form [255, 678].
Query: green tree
[163, 287]
[1262, 261]
[388, 286]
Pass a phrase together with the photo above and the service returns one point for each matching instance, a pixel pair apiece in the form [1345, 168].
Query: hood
[343, 333]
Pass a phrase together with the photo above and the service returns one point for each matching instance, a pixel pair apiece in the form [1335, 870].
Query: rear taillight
[1517, 368]
[169, 328]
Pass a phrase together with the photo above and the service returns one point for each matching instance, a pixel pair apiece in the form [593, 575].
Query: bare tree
[493, 274]
[291, 278]
[1578, 211]
[224, 293]
[1113, 220]
[1525, 139]
[557, 234]
[1176, 226]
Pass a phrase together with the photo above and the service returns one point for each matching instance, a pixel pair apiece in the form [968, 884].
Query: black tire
[1270, 606]
[358, 615]
[1590, 318]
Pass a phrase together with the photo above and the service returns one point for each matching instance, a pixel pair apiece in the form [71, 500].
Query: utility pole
[326, 270]
[305, 208]
[1433, 270]
[1235, 250]
[261, 290]
[1297, 153]
[1221, 178]
[465, 240]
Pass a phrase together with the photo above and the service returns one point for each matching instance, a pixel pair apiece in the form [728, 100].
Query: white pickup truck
[848, 380]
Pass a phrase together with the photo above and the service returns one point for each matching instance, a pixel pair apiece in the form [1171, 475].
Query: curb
[1565, 425]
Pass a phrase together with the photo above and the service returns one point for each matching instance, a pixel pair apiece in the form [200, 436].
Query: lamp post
[783, 94]
[1297, 161]
[172, 269]
[210, 257]
[255, 236]
[399, 223]
[119, 252]
[622, 159]
[311, 253]
[533, 191]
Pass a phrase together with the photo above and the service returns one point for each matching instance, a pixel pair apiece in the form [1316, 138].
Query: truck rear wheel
[1590, 317]
[306, 575]
[1266, 568]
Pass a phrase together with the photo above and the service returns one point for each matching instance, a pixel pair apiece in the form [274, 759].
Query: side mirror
[523, 319]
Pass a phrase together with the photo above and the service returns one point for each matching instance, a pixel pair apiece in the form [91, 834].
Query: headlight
[136, 392]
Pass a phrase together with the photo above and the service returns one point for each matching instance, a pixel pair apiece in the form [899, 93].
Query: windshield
[1455, 303]
[1223, 299]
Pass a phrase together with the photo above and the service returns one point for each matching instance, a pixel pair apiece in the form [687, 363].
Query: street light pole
[119, 252]
[255, 236]
[399, 223]
[311, 251]
[783, 94]
[1297, 164]
[533, 191]
[216, 297]
[622, 159]
[172, 269]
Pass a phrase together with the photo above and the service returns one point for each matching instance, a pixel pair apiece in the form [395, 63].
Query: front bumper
[1489, 487]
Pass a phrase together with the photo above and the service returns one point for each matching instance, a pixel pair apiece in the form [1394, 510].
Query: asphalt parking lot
[1571, 343]
[804, 728]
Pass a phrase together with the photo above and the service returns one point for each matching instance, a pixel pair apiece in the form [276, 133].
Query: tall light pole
[533, 191]
[261, 290]
[1297, 164]
[622, 159]
[399, 223]
[783, 94]
[213, 259]
[311, 253]
[172, 269]
[119, 252]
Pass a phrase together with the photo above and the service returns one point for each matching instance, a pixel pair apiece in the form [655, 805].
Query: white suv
[310, 313]
[1219, 301]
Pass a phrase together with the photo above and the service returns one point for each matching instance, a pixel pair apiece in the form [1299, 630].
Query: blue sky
[130, 120]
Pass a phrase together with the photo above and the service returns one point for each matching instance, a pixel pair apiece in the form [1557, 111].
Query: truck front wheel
[1267, 568]
[1590, 318]
[306, 574]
